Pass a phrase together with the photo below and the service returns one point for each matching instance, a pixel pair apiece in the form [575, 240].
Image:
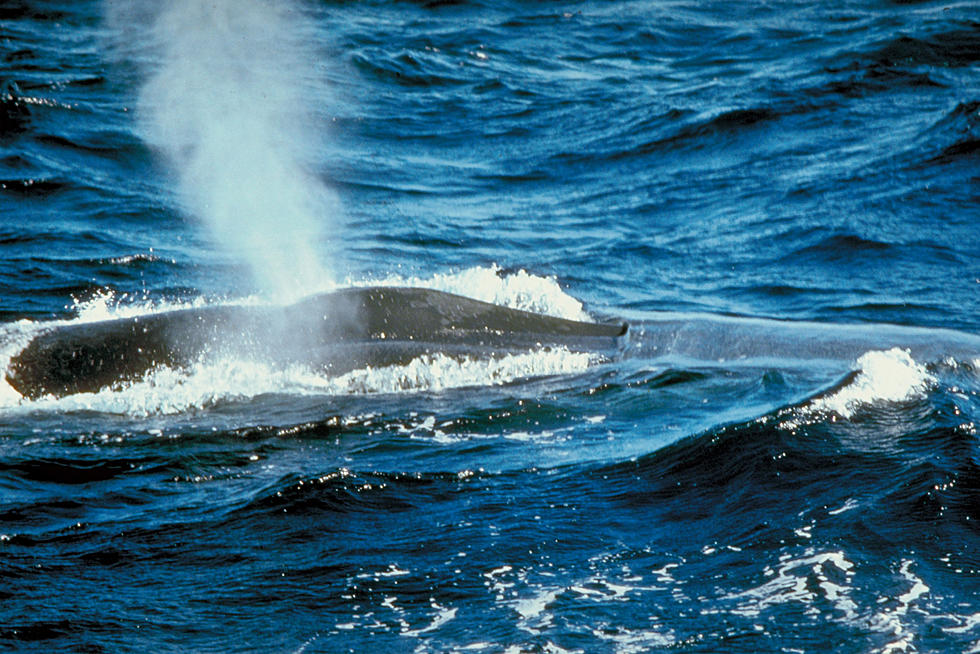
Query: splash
[166, 391]
[226, 102]
[517, 290]
[886, 376]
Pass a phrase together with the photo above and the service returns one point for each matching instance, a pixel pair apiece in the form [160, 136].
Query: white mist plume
[226, 102]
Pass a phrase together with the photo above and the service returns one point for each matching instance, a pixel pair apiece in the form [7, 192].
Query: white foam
[534, 607]
[635, 641]
[885, 376]
[167, 391]
[438, 372]
[849, 504]
[443, 615]
[108, 305]
[965, 624]
[518, 290]
[893, 621]
[791, 582]
[539, 607]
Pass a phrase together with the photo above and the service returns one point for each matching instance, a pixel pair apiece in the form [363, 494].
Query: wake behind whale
[334, 333]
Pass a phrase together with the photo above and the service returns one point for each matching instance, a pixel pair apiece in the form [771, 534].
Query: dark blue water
[783, 199]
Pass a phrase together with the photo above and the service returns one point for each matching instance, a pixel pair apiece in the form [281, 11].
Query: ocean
[781, 199]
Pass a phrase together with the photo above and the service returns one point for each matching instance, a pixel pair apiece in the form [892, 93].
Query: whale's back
[333, 332]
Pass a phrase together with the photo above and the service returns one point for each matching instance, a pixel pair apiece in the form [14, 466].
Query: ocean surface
[781, 198]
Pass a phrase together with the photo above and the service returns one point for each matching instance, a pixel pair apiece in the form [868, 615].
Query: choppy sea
[781, 198]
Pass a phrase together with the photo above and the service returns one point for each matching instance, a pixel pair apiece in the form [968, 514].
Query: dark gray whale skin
[334, 332]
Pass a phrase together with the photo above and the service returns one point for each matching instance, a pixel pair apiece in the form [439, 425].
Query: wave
[411, 70]
[913, 61]
[892, 431]
[881, 376]
[842, 247]
[950, 48]
[964, 148]
[351, 491]
[676, 130]
[864, 77]
[956, 135]
[67, 471]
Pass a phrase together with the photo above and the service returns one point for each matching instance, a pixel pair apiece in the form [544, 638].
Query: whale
[333, 333]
